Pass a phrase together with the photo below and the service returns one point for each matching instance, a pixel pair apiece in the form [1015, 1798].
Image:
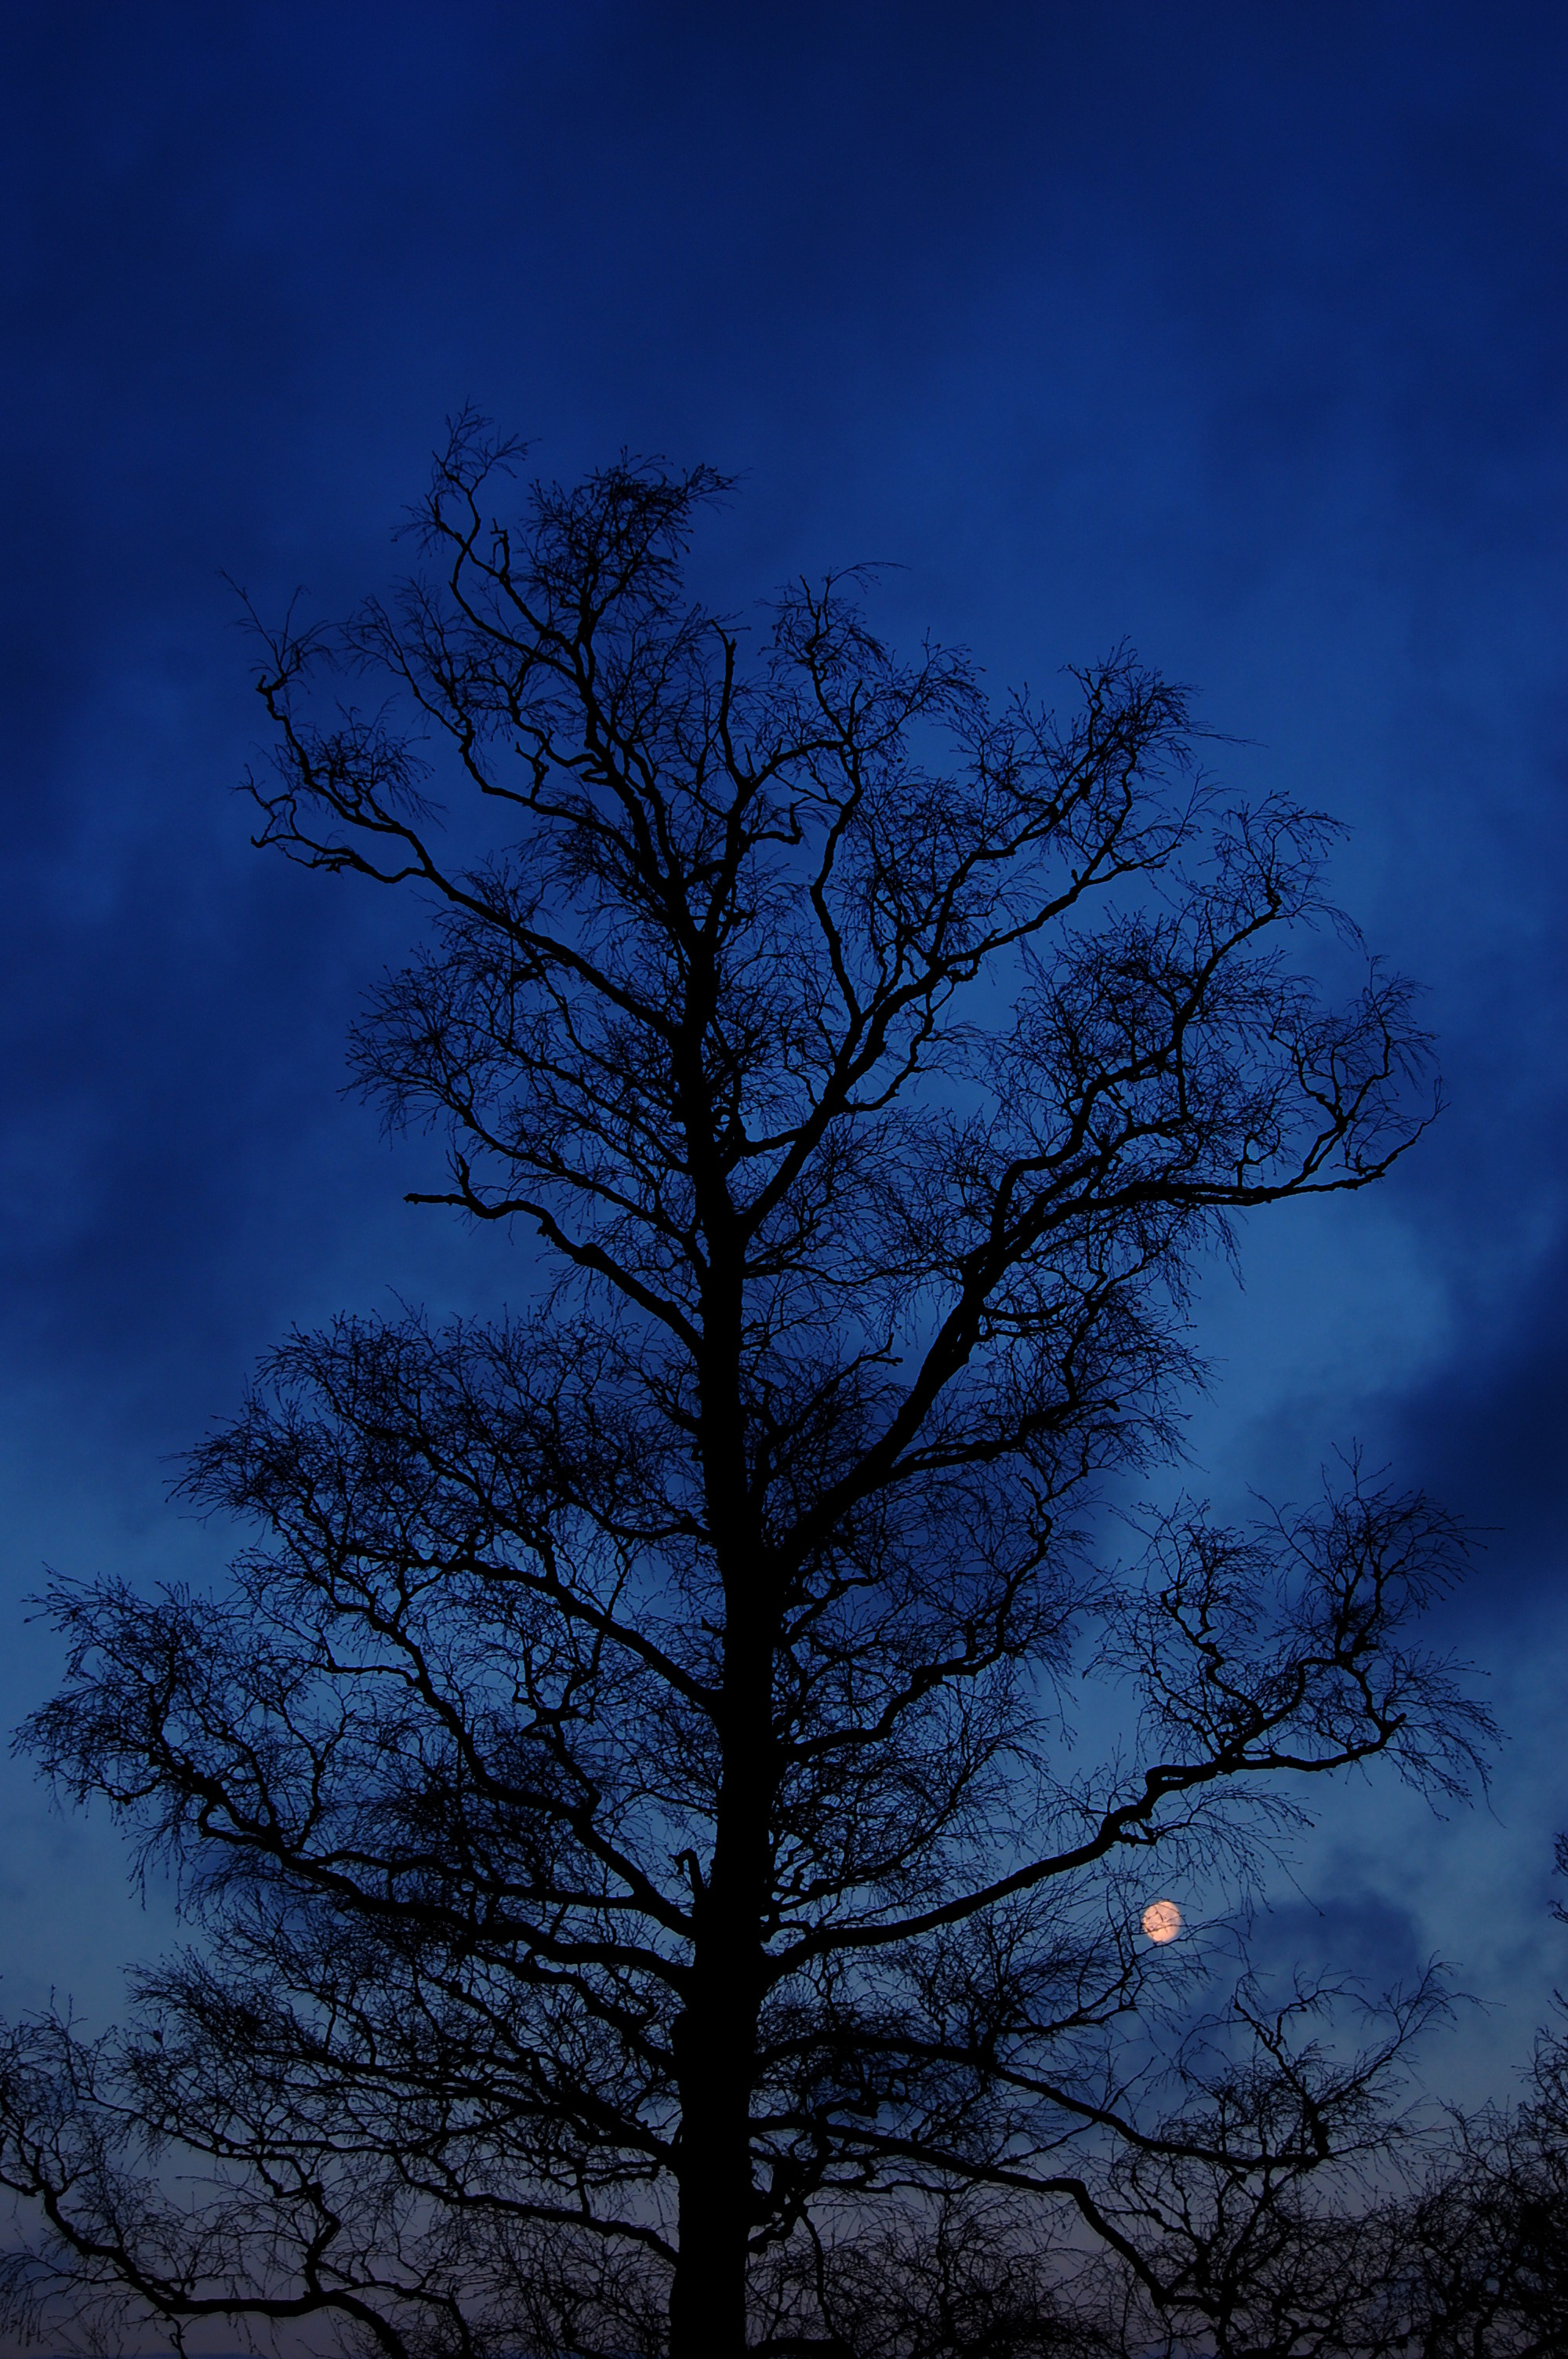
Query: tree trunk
[714, 2051]
[716, 2039]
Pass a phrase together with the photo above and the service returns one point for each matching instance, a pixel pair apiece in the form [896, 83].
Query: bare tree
[1291, 2207]
[1483, 2244]
[626, 1795]
[1268, 2214]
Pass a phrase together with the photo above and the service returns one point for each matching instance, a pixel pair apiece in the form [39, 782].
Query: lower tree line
[1288, 2206]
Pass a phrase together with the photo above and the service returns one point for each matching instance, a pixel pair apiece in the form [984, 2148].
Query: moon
[1161, 1920]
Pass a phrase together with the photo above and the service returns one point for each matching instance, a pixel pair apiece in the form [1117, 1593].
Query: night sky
[1240, 332]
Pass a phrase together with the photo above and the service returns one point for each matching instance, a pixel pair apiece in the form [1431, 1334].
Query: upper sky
[1238, 331]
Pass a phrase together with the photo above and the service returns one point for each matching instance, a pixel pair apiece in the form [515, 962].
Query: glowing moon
[1161, 1920]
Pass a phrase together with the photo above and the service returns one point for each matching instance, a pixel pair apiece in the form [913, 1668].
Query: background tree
[1482, 2245]
[1359, 2227]
[1267, 2214]
[626, 1794]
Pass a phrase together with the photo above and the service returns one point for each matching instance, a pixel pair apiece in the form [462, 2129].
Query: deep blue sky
[1240, 332]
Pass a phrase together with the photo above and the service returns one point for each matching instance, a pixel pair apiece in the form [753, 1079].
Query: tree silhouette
[626, 1795]
[1482, 2245]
